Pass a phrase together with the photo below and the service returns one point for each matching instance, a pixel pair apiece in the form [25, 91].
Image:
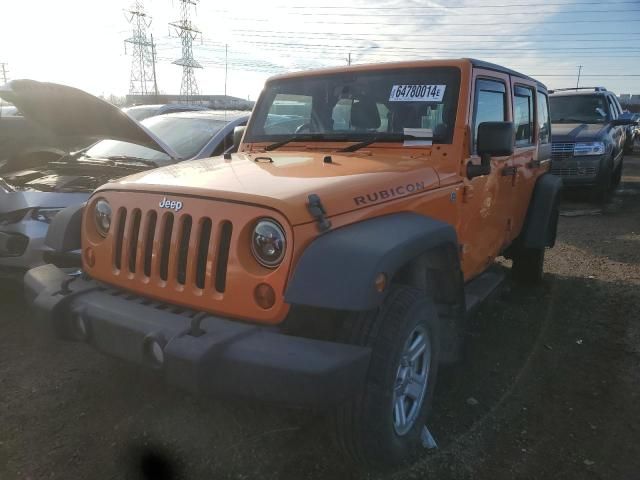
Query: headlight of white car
[588, 148]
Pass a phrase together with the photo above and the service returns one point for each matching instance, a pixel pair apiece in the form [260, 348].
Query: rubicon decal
[171, 204]
[393, 192]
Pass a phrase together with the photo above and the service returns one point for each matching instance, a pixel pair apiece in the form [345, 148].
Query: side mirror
[626, 118]
[495, 139]
[238, 133]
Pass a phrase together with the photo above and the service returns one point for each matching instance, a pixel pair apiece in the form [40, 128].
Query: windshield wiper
[144, 161]
[382, 138]
[308, 136]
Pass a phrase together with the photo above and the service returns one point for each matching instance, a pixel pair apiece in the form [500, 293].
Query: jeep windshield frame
[386, 105]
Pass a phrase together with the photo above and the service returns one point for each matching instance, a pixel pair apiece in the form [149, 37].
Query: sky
[81, 42]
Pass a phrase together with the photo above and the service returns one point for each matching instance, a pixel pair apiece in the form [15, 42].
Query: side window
[288, 113]
[490, 104]
[523, 115]
[543, 118]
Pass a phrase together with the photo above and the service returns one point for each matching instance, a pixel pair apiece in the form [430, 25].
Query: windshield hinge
[317, 211]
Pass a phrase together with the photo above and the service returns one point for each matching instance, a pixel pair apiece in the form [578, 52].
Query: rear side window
[523, 115]
[543, 118]
[490, 104]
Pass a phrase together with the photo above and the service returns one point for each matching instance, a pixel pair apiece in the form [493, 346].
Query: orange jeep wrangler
[333, 260]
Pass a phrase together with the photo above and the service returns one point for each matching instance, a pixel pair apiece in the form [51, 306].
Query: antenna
[187, 33]
[142, 78]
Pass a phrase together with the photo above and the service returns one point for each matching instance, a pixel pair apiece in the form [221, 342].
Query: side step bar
[481, 287]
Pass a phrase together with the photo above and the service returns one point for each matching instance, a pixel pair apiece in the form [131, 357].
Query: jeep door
[529, 109]
[485, 210]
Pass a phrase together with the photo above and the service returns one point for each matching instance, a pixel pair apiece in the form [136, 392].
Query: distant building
[216, 102]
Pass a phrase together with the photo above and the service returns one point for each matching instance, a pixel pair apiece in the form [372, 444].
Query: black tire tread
[363, 329]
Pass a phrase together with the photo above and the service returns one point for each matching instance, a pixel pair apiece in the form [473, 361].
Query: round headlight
[268, 243]
[102, 212]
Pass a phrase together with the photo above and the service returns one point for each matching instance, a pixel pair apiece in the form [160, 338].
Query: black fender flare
[539, 229]
[339, 268]
[65, 231]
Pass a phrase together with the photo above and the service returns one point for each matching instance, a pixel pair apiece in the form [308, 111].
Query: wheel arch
[539, 230]
[338, 269]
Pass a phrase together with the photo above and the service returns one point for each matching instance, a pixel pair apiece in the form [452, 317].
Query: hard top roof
[408, 64]
[590, 91]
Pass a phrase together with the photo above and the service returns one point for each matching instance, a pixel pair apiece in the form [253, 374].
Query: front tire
[382, 426]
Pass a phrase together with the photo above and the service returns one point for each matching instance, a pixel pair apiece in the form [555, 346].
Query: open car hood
[68, 111]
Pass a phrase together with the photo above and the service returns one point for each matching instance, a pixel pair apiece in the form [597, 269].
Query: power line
[457, 7]
[422, 49]
[430, 35]
[430, 15]
[547, 22]
[187, 33]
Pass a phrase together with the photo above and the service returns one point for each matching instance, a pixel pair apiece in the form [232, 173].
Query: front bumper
[21, 246]
[218, 356]
[578, 171]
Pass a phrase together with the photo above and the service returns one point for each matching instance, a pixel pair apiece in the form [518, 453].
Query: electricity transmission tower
[4, 72]
[143, 76]
[187, 33]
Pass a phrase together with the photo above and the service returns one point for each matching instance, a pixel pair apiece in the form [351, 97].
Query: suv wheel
[528, 265]
[382, 426]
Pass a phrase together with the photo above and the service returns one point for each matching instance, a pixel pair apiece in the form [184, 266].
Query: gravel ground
[549, 387]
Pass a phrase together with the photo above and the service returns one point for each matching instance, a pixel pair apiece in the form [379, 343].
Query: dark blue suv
[588, 138]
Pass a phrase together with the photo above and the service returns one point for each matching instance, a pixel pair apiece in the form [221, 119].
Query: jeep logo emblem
[171, 204]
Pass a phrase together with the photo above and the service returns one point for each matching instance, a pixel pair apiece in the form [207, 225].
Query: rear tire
[404, 337]
[528, 265]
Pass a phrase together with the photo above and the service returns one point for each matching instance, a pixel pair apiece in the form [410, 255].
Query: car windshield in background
[186, 136]
[359, 106]
[142, 113]
[578, 109]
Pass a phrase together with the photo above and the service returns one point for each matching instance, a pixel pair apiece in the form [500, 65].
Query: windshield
[359, 106]
[140, 113]
[578, 109]
[186, 136]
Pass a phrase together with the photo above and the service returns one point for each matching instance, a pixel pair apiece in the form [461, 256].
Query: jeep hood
[283, 181]
[67, 111]
[577, 132]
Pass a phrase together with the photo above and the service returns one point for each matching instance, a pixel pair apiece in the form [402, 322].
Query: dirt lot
[550, 387]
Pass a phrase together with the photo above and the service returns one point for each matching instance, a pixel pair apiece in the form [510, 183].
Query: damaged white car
[33, 192]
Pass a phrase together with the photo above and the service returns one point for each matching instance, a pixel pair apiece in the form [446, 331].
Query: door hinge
[467, 193]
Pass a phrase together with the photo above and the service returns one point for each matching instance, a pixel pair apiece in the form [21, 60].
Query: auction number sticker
[417, 93]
